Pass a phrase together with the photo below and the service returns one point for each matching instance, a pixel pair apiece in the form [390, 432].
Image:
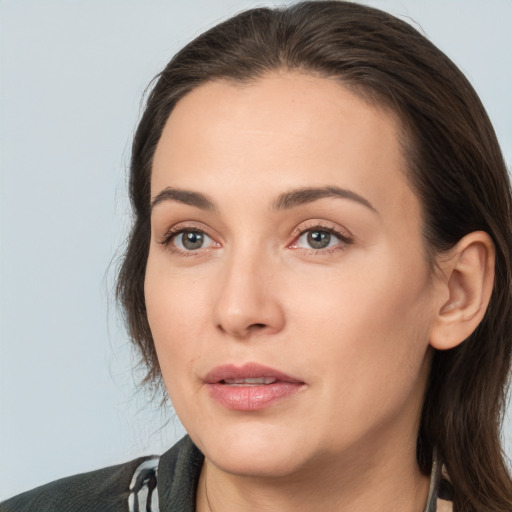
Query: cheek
[175, 300]
[176, 308]
[369, 297]
[368, 330]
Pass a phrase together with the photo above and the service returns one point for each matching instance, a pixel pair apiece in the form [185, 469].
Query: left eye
[191, 240]
[318, 239]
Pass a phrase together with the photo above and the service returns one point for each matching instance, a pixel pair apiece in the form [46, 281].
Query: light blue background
[72, 75]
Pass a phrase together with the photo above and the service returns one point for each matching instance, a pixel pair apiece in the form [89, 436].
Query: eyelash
[344, 238]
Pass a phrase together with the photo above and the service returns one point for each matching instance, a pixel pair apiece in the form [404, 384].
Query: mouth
[250, 387]
[258, 381]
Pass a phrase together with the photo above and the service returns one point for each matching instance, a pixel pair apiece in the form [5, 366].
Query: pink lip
[250, 397]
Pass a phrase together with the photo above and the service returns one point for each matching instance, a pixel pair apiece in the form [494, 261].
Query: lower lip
[252, 398]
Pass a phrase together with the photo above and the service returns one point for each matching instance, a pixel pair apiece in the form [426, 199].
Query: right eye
[188, 240]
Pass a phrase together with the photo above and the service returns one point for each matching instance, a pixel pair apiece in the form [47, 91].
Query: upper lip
[247, 371]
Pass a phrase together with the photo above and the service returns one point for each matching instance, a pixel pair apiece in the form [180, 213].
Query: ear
[466, 284]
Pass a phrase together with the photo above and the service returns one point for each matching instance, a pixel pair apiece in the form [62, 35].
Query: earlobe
[465, 291]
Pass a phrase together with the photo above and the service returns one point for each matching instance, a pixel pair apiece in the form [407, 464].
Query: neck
[377, 480]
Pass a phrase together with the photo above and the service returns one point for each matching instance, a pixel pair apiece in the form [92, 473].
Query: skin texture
[353, 321]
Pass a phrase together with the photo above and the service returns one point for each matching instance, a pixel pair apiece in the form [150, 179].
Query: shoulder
[108, 489]
[166, 483]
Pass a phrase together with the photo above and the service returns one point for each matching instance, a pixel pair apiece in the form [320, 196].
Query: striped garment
[143, 495]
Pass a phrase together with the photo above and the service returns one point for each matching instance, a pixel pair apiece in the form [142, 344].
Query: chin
[253, 450]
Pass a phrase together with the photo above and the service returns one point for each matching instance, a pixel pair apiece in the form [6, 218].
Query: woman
[319, 272]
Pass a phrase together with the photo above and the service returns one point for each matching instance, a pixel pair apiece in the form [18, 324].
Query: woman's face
[286, 286]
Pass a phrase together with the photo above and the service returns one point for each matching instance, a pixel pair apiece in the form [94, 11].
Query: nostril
[258, 326]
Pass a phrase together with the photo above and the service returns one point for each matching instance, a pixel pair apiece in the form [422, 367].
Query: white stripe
[141, 497]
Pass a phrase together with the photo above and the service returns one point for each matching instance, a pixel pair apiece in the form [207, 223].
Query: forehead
[282, 130]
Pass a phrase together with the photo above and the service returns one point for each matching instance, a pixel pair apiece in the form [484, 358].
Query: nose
[249, 302]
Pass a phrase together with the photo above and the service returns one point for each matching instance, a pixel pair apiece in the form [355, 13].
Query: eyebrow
[308, 195]
[183, 196]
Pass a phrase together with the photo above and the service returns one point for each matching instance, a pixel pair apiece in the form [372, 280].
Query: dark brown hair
[455, 167]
